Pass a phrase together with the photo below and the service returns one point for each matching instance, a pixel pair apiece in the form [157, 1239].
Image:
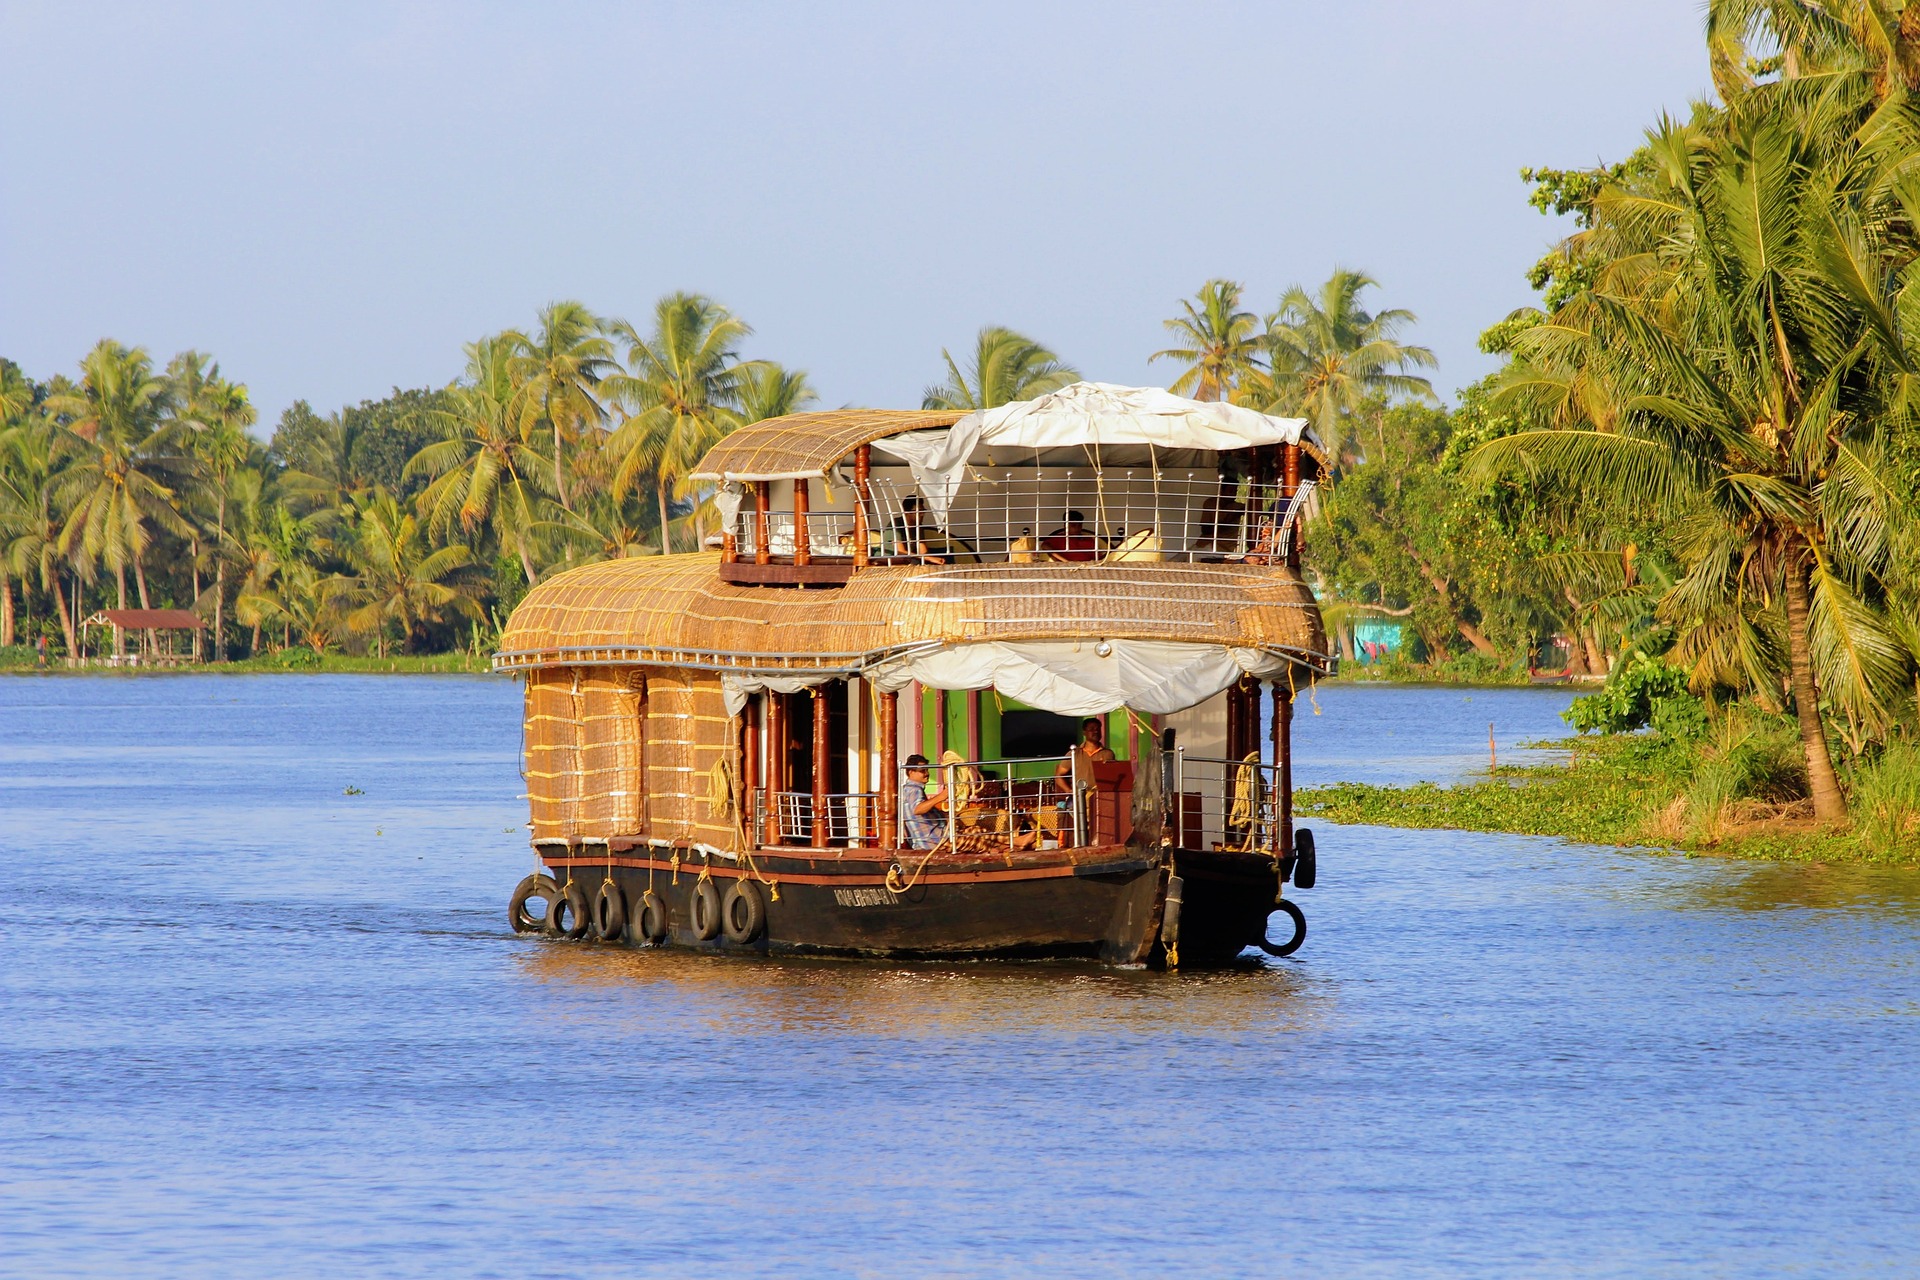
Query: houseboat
[1017, 682]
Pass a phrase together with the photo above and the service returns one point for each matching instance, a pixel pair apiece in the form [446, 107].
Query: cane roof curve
[804, 445]
[676, 611]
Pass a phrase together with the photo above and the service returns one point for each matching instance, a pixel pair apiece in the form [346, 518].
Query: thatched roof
[675, 611]
[807, 444]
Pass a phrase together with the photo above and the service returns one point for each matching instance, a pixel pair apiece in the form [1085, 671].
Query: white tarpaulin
[1085, 414]
[1072, 678]
[736, 688]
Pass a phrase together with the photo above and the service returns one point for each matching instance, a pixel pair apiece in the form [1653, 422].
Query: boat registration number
[865, 897]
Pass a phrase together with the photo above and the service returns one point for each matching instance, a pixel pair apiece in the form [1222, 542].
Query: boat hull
[1108, 906]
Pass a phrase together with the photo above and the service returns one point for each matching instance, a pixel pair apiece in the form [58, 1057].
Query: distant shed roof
[807, 444]
[144, 619]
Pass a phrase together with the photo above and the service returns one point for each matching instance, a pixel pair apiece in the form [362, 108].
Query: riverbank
[1635, 790]
[287, 662]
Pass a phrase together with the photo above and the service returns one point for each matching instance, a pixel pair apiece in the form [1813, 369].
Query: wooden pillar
[822, 747]
[729, 544]
[762, 549]
[889, 731]
[1290, 485]
[776, 761]
[1283, 779]
[1237, 719]
[750, 748]
[862, 469]
[802, 544]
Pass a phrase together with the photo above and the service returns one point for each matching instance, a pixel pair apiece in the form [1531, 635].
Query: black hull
[1111, 909]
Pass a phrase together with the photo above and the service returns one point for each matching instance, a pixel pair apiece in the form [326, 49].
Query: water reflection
[1727, 885]
[782, 995]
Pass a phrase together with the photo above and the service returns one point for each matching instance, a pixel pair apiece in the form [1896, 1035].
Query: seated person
[1074, 542]
[923, 813]
[915, 534]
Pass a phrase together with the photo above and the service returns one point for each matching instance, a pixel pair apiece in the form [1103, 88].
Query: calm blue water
[252, 1025]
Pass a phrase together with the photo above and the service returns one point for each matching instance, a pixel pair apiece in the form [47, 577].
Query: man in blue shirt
[922, 812]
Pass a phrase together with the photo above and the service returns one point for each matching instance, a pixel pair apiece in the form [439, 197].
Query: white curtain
[1073, 678]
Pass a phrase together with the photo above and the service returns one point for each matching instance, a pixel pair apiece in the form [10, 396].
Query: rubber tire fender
[1292, 944]
[743, 914]
[649, 922]
[577, 910]
[537, 885]
[706, 911]
[609, 912]
[1306, 867]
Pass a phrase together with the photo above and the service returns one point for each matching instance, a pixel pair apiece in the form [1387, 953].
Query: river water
[252, 1024]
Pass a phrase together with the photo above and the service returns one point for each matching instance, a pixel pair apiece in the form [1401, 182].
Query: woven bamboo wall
[622, 752]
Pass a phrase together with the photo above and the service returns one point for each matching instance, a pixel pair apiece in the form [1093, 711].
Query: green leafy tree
[1327, 356]
[126, 462]
[397, 577]
[680, 394]
[1006, 367]
[556, 370]
[485, 474]
[1218, 342]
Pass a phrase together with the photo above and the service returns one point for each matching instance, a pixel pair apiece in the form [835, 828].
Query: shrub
[1886, 800]
[1627, 702]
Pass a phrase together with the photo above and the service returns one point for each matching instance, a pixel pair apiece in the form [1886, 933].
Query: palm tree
[1219, 343]
[32, 517]
[217, 413]
[767, 390]
[127, 464]
[680, 394]
[298, 600]
[1006, 367]
[485, 472]
[1746, 324]
[1327, 355]
[399, 578]
[556, 370]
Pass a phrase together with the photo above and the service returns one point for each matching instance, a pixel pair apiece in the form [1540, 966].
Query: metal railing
[1020, 515]
[1220, 804]
[852, 818]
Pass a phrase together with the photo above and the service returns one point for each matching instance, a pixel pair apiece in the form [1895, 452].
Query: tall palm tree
[33, 518]
[398, 577]
[556, 370]
[485, 473]
[127, 463]
[680, 393]
[1327, 355]
[1006, 367]
[1219, 343]
[1748, 325]
[217, 413]
[768, 390]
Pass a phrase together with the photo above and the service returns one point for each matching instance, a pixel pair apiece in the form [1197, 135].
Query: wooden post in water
[1283, 772]
[822, 741]
[776, 761]
[889, 770]
[762, 500]
[862, 468]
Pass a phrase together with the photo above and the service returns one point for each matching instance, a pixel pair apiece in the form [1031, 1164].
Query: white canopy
[1066, 677]
[1087, 414]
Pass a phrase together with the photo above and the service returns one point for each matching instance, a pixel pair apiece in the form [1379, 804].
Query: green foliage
[1632, 698]
[1886, 800]
[386, 434]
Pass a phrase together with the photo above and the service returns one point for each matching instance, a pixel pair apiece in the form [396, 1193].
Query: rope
[894, 870]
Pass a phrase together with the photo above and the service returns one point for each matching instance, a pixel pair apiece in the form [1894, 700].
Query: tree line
[417, 521]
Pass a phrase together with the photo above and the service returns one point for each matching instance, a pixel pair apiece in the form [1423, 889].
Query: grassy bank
[1458, 669]
[20, 661]
[1733, 795]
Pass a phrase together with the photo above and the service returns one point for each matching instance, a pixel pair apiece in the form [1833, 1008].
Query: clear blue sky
[331, 198]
